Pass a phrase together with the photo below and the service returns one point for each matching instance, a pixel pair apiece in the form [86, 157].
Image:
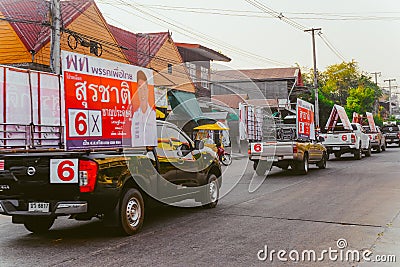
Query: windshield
[368, 129]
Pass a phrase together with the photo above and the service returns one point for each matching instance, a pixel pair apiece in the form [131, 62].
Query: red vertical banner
[305, 120]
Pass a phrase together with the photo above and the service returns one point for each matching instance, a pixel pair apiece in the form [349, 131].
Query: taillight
[370, 137]
[87, 175]
[295, 150]
[353, 138]
[249, 151]
[398, 135]
[344, 137]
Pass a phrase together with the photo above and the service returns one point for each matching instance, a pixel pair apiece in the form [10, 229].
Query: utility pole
[376, 104]
[55, 17]
[390, 94]
[376, 76]
[312, 30]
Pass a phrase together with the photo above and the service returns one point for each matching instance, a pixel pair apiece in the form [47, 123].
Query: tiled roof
[128, 41]
[148, 44]
[231, 100]
[256, 74]
[36, 34]
[142, 47]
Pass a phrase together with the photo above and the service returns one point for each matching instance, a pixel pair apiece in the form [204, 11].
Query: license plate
[336, 148]
[38, 207]
[271, 158]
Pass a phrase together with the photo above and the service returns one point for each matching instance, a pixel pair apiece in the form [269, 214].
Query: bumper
[340, 149]
[392, 140]
[270, 158]
[17, 207]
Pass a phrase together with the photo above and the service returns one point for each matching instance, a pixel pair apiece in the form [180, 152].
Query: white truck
[339, 140]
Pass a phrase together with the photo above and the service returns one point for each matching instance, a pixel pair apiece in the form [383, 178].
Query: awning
[184, 105]
[212, 127]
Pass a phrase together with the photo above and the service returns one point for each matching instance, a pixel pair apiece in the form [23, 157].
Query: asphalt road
[358, 201]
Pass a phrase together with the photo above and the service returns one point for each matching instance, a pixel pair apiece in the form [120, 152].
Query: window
[191, 68]
[170, 68]
[204, 77]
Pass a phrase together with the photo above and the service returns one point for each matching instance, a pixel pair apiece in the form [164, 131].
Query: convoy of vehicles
[79, 155]
[339, 141]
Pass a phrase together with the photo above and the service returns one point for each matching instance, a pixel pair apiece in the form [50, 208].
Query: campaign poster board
[371, 121]
[108, 104]
[336, 113]
[305, 120]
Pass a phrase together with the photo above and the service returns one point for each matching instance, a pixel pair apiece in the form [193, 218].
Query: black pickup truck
[36, 187]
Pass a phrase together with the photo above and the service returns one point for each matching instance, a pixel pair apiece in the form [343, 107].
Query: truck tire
[261, 168]
[368, 153]
[384, 147]
[302, 167]
[38, 224]
[358, 153]
[211, 192]
[322, 164]
[131, 212]
[338, 155]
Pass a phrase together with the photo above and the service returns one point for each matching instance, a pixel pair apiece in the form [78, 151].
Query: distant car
[376, 138]
[392, 134]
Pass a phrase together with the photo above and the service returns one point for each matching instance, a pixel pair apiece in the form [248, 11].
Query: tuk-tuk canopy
[211, 127]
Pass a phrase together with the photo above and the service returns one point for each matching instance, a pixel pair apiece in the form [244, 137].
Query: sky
[366, 31]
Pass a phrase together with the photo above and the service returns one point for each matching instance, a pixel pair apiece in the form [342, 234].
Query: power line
[187, 31]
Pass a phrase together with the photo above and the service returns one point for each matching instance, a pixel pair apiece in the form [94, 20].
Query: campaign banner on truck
[336, 113]
[107, 104]
[371, 121]
[305, 120]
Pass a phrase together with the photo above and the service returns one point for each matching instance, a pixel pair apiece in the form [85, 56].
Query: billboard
[107, 104]
[305, 120]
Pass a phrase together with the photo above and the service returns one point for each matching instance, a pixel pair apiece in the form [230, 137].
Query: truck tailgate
[28, 176]
[338, 139]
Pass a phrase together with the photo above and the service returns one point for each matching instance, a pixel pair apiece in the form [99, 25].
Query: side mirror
[321, 139]
[198, 144]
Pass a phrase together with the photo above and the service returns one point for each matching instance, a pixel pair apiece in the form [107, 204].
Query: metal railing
[31, 136]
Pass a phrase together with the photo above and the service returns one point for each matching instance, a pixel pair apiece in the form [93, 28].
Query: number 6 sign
[64, 171]
[256, 148]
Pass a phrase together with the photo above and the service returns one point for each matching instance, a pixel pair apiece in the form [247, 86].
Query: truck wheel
[211, 192]
[358, 154]
[368, 152]
[38, 225]
[255, 164]
[338, 155]
[302, 166]
[322, 163]
[261, 168]
[131, 212]
[384, 147]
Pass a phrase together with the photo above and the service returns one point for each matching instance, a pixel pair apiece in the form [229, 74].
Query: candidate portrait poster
[104, 103]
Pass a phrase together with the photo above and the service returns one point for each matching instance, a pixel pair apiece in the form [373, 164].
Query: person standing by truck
[144, 129]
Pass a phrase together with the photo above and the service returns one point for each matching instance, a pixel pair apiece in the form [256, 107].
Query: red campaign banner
[99, 110]
[305, 120]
